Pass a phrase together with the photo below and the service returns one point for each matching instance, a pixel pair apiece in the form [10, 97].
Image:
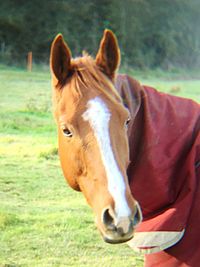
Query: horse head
[92, 134]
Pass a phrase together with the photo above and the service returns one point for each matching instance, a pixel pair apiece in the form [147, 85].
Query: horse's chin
[114, 238]
[116, 241]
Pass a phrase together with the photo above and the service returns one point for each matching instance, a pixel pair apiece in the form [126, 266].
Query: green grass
[180, 83]
[42, 221]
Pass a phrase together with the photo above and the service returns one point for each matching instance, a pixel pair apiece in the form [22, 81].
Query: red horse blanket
[164, 173]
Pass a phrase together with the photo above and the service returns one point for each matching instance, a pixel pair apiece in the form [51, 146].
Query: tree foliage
[151, 33]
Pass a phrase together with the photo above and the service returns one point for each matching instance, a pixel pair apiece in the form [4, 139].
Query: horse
[132, 151]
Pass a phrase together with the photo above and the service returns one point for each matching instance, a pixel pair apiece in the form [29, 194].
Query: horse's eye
[67, 132]
[127, 121]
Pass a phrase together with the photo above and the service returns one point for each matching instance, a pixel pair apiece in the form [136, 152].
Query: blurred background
[151, 33]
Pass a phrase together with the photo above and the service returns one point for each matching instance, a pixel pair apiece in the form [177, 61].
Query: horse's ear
[108, 56]
[60, 59]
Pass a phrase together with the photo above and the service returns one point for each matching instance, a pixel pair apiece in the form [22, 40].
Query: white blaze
[98, 116]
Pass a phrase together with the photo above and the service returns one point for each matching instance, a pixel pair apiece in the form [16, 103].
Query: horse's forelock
[87, 75]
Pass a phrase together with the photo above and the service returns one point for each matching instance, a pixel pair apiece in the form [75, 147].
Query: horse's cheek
[69, 166]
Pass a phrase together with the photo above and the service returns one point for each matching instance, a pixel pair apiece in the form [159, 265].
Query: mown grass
[181, 83]
[42, 221]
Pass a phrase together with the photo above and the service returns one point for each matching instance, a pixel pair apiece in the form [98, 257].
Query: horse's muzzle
[119, 230]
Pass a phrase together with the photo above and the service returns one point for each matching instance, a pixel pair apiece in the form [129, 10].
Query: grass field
[42, 221]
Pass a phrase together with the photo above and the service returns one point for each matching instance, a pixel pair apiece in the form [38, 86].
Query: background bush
[151, 33]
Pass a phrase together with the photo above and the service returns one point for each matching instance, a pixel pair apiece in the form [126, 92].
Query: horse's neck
[130, 91]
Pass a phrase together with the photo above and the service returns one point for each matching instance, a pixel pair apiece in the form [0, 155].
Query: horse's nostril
[121, 226]
[138, 215]
[108, 219]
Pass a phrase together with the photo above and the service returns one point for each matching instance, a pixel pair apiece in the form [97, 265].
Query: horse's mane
[87, 76]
